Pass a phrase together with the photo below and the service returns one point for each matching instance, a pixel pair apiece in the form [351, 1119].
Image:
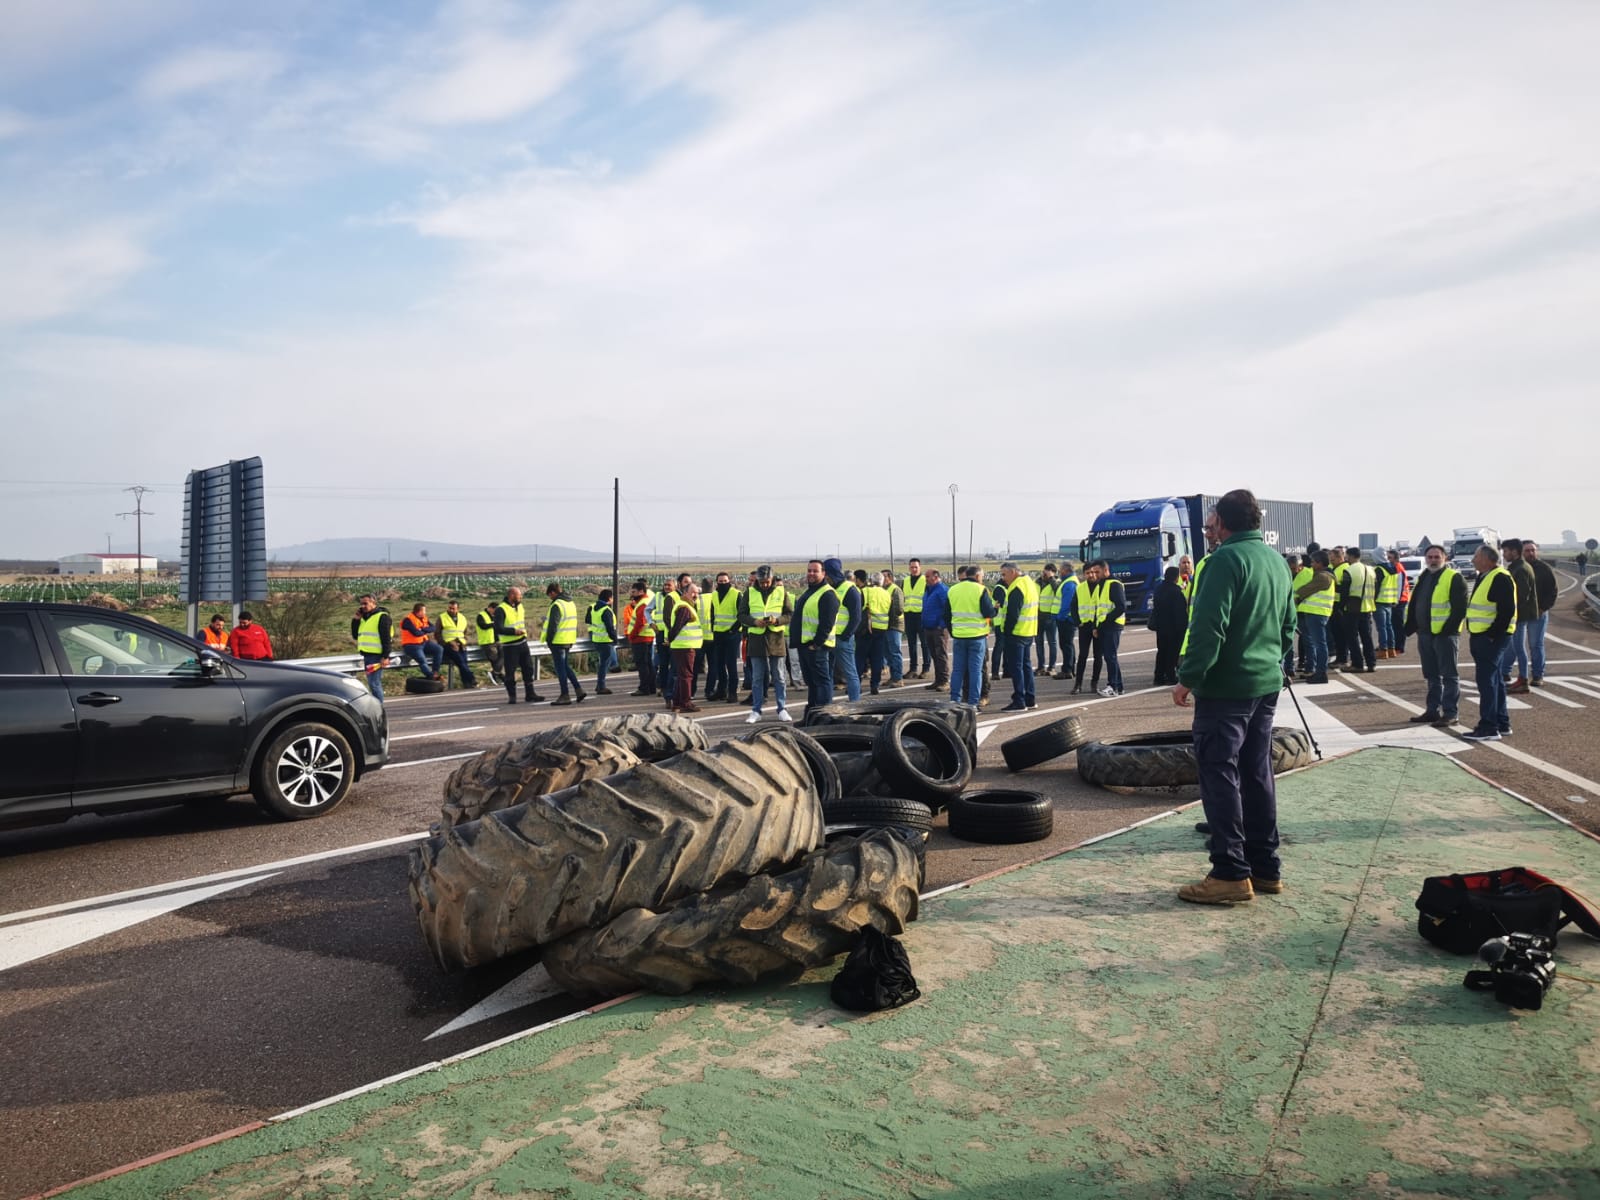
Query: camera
[1520, 969]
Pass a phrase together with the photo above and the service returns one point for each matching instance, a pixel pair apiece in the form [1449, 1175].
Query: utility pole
[891, 543]
[108, 543]
[138, 514]
[953, 490]
[616, 533]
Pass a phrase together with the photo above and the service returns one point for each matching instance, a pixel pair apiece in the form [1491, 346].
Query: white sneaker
[783, 715]
[753, 719]
[1108, 692]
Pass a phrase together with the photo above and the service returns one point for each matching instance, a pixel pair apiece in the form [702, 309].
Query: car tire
[772, 922]
[893, 755]
[1001, 816]
[1042, 744]
[303, 771]
[645, 838]
[873, 812]
[418, 686]
[963, 718]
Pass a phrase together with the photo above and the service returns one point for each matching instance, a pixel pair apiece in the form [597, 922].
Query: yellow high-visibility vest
[1439, 610]
[515, 620]
[844, 589]
[454, 628]
[966, 610]
[566, 631]
[808, 619]
[1481, 611]
[692, 635]
[1028, 619]
[1050, 598]
[725, 610]
[597, 623]
[913, 589]
[367, 639]
[486, 636]
[876, 601]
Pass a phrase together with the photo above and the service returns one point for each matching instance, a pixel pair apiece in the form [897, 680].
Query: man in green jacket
[1241, 625]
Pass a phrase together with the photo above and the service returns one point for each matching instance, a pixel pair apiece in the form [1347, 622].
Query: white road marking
[408, 737]
[154, 889]
[39, 939]
[422, 762]
[1512, 703]
[1550, 637]
[530, 987]
[984, 727]
[1334, 736]
[1583, 687]
[1545, 693]
[451, 716]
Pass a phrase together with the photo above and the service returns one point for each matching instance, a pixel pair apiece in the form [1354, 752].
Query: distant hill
[409, 551]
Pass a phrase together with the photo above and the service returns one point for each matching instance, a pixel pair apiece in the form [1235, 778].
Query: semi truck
[1465, 544]
[1140, 539]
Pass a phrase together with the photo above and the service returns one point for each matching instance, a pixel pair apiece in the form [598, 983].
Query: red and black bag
[1459, 913]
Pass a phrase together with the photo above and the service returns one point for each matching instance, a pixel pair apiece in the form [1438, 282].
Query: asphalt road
[237, 982]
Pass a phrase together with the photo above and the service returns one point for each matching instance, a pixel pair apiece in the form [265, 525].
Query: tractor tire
[1167, 759]
[1043, 744]
[893, 755]
[1001, 816]
[871, 812]
[644, 838]
[772, 922]
[418, 686]
[549, 760]
[823, 771]
[963, 718]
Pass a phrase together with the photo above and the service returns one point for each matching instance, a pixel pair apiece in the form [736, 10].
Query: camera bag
[1459, 913]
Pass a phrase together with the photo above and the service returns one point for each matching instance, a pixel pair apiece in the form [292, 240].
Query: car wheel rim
[310, 770]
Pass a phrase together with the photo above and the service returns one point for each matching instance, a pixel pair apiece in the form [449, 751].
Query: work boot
[1269, 887]
[533, 698]
[1536, 681]
[1212, 890]
[1318, 679]
[582, 696]
[1445, 720]
[1427, 718]
[1519, 688]
[602, 691]
[562, 699]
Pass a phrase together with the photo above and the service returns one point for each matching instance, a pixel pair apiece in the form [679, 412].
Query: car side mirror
[92, 664]
[210, 663]
[1172, 543]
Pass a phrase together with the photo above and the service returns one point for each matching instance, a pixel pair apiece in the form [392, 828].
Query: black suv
[103, 711]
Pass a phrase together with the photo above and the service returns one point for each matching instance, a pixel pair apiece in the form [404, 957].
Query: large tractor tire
[576, 858]
[786, 921]
[1167, 759]
[561, 757]
[963, 718]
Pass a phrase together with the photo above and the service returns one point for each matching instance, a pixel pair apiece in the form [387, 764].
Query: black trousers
[1168, 643]
[1088, 643]
[515, 656]
[1358, 639]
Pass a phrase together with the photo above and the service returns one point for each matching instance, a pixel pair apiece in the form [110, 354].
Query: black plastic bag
[877, 975]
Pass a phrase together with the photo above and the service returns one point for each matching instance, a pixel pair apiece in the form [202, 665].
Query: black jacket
[1422, 604]
[827, 614]
[1169, 610]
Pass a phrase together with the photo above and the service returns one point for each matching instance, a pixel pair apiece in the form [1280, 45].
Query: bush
[101, 600]
[295, 620]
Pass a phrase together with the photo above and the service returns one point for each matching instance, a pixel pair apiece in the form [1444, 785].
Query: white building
[105, 564]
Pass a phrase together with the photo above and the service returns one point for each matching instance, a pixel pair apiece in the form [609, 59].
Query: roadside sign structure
[224, 537]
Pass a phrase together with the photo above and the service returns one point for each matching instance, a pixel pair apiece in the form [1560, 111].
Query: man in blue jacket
[936, 628]
[1241, 624]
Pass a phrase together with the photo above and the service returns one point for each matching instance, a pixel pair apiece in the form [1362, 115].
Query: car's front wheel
[304, 772]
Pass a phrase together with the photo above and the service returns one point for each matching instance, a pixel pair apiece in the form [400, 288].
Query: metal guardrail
[1591, 593]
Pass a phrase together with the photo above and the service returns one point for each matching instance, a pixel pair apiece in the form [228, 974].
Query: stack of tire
[705, 866]
[903, 759]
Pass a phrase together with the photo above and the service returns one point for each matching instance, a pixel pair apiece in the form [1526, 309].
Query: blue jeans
[816, 668]
[896, 664]
[844, 662]
[1535, 635]
[1316, 630]
[427, 655]
[560, 657]
[1385, 615]
[1487, 653]
[664, 679]
[761, 666]
[374, 678]
[1110, 638]
[1233, 749]
[966, 668]
[1046, 639]
[458, 659]
[1019, 668]
[1516, 651]
[1438, 653]
[605, 659]
[877, 654]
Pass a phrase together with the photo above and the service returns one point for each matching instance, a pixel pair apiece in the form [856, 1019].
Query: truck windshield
[1133, 547]
[1465, 548]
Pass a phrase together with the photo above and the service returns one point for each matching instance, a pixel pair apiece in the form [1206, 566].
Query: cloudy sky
[448, 266]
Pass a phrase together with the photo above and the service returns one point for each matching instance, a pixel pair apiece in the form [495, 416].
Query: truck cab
[1465, 544]
[1140, 539]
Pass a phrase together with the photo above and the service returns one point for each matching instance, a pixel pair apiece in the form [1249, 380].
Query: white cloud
[208, 68]
[13, 123]
[53, 271]
[491, 78]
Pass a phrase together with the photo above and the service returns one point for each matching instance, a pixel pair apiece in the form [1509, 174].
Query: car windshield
[1116, 548]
